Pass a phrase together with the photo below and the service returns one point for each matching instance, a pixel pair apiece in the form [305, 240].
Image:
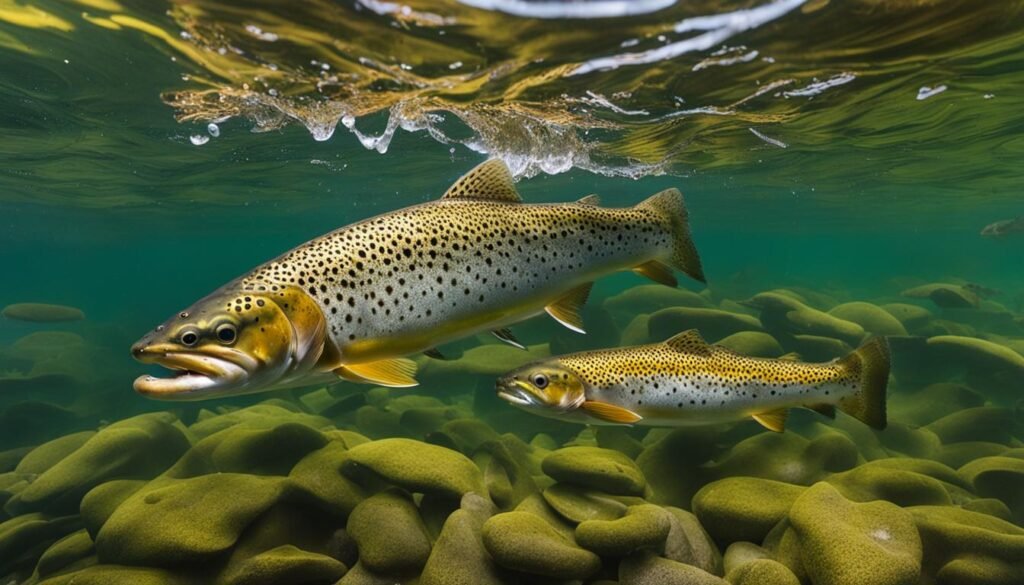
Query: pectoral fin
[591, 200]
[790, 357]
[773, 420]
[507, 336]
[610, 412]
[658, 272]
[566, 310]
[395, 372]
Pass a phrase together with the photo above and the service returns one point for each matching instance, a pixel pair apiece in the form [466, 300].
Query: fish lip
[510, 392]
[205, 373]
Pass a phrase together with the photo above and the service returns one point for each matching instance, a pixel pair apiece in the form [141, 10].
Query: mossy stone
[45, 456]
[506, 474]
[932, 402]
[743, 508]
[968, 547]
[1001, 478]
[753, 344]
[469, 433]
[619, 439]
[688, 542]
[912, 317]
[23, 539]
[526, 543]
[578, 504]
[670, 464]
[258, 451]
[991, 424]
[459, 556]
[267, 414]
[378, 423]
[959, 454]
[874, 319]
[67, 552]
[99, 504]
[422, 421]
[317, 478]
[174, 521]
[123, 575]
[740, 553]
[10, 458]
[644, 526]
[536, 505]
[786, 457]
[490, 359]
[284, 564]
[416, 466]
[842, 542]
[818, 348]
[647, 298]
[762, 572]
[605, 470]
[714, 324]
[901, 487]
[637, 332]
[136, 448]
[647, 568]
[390, 534]
[990, 506]
[784, 315]
[947, 296]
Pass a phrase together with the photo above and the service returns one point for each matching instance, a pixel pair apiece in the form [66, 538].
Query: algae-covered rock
[740, 553]
[648, 298]
[136, 448]
[874, 319]
[670, 464]
[459, 556]
[932, 403]
[619, 439]
[990, 366]
[601, 469]
[787, 457]
[122, 575]
[984, 423]
[1001, 478]
[101, 501]
[947, 296]
[72, 551]
[636, 332]
[578, 504]
[506, 473]
[688, 542]
[762, 572]
[284, 564]
[259, 451]
[900, 486]
[912, 317]
[524, 542]
[990, 506]
[643, 526]
[782, 314]
[317, 478]
[647, 568]
[45, 456]
[818, 348]
[753, 344]
[173, 521]
[490, 359]
[957, 455]
[846, 543]
[42, 313]
[390, 534]
[714, 324]
[23, 539]
[267, 414]
[961, 546]
[743, 508]
[416, 466]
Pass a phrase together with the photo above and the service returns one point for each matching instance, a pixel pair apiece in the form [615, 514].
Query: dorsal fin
[490, 181]
[689, 341]
[593, 200]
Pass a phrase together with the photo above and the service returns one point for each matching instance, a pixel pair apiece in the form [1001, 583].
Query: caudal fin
[869, 366]
[669, 204]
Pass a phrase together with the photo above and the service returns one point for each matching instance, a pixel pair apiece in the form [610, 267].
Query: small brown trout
[351, 303]
[685, 382]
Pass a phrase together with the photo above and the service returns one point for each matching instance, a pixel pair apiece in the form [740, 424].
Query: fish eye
[227, 333]
[540, 381]
[189, 338]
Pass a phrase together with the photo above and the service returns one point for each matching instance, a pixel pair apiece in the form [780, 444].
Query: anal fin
[773, 420]
[610, 413]
[566, 310]
[658, 272]
[508, 337]
[394, 372]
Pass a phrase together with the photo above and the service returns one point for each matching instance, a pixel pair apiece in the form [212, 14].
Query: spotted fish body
[478, 259]
[686, 381]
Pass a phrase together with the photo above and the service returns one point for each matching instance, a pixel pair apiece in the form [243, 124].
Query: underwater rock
[842, 542]
[740, 553]
[30, 422]
[782, 314]
[947, 296]
[99, 503]
[578, 504]
[10, 458]
[637, 332]
[786, 457]
[42, 313]
[670, 464]
[648, 298]
[619, 439]
[1001, 478]
[989, 506]
[317, 478]
[418, 467]
[647, 568]
[506, 473]
[470, 433]
[490, 359]
[874, 319]
[644, 526]
[689, 543]
[762, 572]
[753, 344]
[913, 317]
[593, 467]
[140, 447]
[932, 402]
[815, 348]
[174, 521]
[743, 508]
[524, 542]
[378, 423]
[263, 451]
[420, 422]
[902, 487]
[983, 423]
[284, 564]
[957, 455]
[390, 534]
[995, 366]
[45, 456]
[967, 547]
[258, 416]
[120, 575]
[901, 439]
[23, 539]
[713, 324]
[459, 556]
[72, 551]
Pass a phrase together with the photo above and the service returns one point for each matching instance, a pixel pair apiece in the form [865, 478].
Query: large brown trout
[685, 381]
[351, 303]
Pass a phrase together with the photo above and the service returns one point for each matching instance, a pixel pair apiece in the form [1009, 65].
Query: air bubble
[199, 139]
[213, 129]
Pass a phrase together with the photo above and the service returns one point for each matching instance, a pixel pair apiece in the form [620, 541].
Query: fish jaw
[200, 375]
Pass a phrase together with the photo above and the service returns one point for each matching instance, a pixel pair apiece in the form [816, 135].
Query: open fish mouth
[195, 376]
[510, 391]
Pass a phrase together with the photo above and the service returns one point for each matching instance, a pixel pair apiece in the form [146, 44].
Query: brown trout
[686, 382]
[351, 303]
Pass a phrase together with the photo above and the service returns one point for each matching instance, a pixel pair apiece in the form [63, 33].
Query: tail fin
[669, 204]
[869, 365]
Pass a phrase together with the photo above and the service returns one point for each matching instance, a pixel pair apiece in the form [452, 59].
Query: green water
[803, 136]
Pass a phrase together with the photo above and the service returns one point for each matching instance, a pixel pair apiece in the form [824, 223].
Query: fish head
[544, 385]
[232, 342]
